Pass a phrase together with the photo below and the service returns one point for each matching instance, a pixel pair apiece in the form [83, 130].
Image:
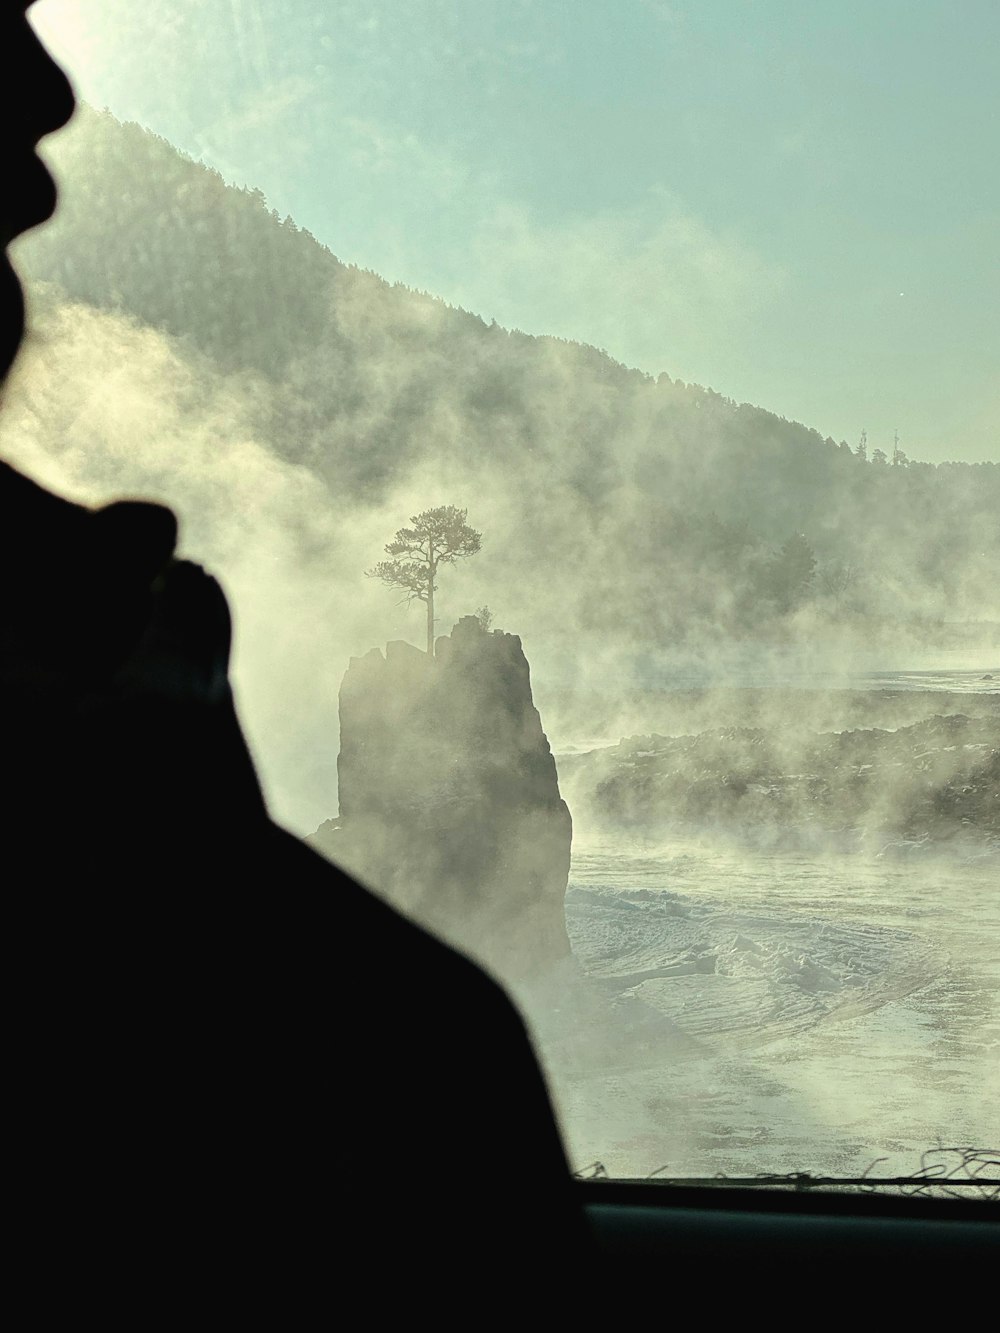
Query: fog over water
[865, 1024]
[767, 662]
[742, 1068]
[776, 996]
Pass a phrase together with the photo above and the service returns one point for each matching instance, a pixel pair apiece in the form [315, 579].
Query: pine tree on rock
[438, 537]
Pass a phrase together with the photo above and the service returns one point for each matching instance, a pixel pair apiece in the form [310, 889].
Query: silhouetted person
[241, 1085]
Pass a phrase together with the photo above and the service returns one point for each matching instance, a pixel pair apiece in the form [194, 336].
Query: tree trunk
[430, 600]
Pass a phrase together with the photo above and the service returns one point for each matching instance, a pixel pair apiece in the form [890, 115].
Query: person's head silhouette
[79, 571]
[35, 98]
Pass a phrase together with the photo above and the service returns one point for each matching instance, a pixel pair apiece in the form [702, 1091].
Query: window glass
[648, 346]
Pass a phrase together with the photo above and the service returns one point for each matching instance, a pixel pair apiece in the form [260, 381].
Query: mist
[723, 212]
[766, 661]
[291, 552]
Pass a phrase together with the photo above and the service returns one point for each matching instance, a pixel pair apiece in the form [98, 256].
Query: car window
[592, 414]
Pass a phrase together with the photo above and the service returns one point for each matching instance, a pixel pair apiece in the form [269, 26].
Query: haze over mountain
[792, 203]
[296, 410]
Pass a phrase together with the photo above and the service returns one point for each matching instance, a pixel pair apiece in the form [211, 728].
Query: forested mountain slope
[668, 508]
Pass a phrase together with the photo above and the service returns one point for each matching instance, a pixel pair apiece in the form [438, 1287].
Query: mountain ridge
[368, 383]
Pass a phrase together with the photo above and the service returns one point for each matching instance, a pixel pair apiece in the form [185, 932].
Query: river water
[743, 1009]
[748, 1011]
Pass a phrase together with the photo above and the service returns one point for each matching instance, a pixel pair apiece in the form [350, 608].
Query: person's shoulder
[34, 520]
[315, 890]
[327, 908]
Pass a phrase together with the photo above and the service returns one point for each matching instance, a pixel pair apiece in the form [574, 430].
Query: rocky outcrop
[936, 780]
[449, 797]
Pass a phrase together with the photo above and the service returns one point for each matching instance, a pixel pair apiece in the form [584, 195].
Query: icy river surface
[746, 1010]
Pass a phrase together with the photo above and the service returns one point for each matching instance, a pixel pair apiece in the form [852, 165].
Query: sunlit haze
[797, 205]
[590, 414]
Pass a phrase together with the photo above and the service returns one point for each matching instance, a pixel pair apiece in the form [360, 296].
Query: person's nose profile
[36, 98]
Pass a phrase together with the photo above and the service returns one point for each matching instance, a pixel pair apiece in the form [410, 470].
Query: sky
[795, 202]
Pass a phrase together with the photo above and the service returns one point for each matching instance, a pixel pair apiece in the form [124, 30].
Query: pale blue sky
[795, 203]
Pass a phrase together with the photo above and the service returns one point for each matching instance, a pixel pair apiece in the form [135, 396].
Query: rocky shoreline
[932, 782]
